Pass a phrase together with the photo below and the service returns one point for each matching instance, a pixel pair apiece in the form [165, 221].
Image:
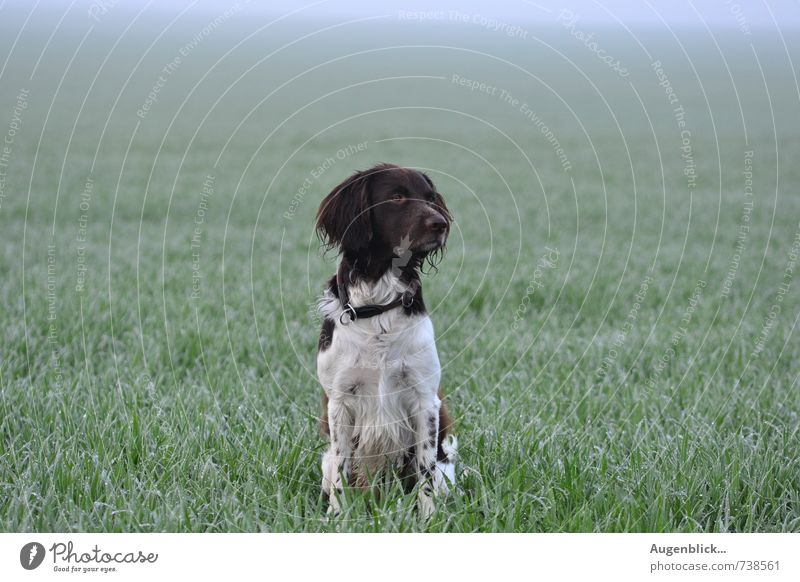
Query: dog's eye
[397, 197]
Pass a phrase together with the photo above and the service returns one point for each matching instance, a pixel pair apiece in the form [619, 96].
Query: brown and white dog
[377, 359]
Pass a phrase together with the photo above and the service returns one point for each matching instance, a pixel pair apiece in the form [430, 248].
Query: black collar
[350, 313]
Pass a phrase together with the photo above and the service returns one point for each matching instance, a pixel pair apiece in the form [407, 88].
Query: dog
[376, 359]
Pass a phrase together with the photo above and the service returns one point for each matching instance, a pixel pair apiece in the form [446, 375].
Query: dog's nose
[436, 223]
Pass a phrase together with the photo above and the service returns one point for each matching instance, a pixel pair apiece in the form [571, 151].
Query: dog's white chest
[387, 355]
[382, 370]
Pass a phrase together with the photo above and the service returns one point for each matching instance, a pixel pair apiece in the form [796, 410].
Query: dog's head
[384, 209]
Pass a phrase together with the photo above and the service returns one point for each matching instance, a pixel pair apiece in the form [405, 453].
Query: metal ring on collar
[350, 311]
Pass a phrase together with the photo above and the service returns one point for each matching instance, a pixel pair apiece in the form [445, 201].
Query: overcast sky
[756, 13]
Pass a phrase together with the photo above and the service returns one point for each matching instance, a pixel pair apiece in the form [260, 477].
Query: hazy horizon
[716, 14]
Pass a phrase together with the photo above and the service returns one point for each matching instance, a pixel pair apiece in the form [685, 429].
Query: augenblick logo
[690, 549]
[66, 558]
[31, 555]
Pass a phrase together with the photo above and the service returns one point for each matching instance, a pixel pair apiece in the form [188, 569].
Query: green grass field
[616, 314]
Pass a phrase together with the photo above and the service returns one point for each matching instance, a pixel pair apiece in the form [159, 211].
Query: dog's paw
[426, 505]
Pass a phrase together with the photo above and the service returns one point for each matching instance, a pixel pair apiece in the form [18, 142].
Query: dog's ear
[343, 217]
[438, 200]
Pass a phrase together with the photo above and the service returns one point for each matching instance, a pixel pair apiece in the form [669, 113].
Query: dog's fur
[382, 406]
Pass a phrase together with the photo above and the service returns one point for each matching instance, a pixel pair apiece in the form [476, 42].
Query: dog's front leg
[426, 428]
[336, 463]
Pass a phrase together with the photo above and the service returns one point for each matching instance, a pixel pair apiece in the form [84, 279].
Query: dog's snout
[436, 223]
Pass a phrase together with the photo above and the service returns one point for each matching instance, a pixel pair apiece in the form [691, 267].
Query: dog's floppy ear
[438, 200]
[343, 217]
